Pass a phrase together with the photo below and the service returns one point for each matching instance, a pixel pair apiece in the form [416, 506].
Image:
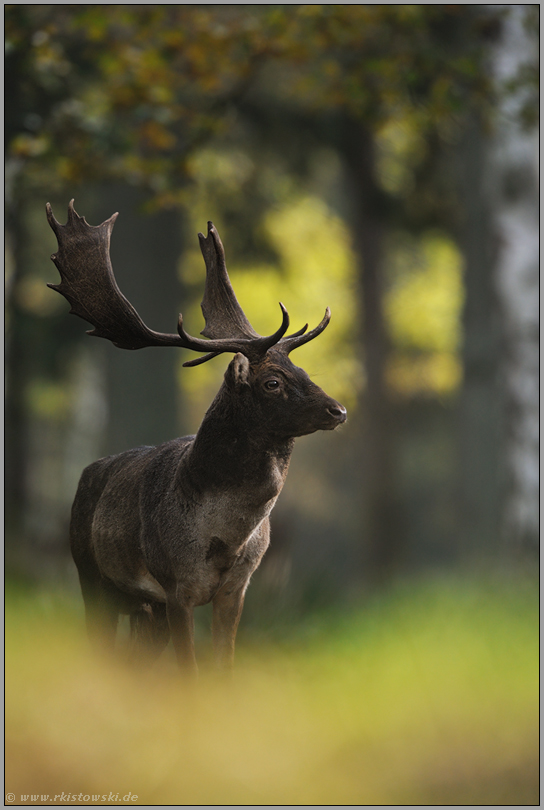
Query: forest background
[381, 160]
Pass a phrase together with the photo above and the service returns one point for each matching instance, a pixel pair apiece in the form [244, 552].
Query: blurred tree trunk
[481, 410]
[382, 541]
[498, 425]
[16, 423]
[513, 173]
[142, 394]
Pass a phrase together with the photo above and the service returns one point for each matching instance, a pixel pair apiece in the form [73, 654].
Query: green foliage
[128, 91]
[426, 695]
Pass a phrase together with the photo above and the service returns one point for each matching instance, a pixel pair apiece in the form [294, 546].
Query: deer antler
[89, 285]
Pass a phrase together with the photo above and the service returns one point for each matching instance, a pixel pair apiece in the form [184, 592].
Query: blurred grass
[428, 694]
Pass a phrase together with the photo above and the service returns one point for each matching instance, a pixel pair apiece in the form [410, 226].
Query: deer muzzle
[338, 415]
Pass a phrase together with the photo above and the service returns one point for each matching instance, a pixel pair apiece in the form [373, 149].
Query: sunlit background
[379, 160]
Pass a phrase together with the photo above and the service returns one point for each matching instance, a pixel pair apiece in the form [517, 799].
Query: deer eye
[272, 384]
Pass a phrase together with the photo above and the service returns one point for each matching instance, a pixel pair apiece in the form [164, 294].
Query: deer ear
[238, 370]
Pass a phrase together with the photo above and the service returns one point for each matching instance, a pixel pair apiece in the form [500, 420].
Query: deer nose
[338, 411]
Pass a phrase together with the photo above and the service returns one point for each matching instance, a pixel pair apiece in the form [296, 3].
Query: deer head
[89, 285]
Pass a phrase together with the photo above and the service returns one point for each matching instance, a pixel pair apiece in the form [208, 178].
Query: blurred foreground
[428, 694]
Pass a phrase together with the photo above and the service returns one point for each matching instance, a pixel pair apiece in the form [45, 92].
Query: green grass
[428, 694]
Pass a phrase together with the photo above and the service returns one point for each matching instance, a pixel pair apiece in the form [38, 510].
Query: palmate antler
[89, 285]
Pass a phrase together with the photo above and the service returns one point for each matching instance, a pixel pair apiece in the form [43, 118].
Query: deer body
[158, 531]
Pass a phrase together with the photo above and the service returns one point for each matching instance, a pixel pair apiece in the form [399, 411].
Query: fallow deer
[157, 531]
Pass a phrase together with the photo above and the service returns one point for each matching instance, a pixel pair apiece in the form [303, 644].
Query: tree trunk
[16, 423]
[499, 235]
[514, 186]
[481, 411]
[142, 394]
[382, 541]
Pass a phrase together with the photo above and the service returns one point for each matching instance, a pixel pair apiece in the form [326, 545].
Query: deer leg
[149, 632]
[101, 613]
[227, 609]
[181, 624]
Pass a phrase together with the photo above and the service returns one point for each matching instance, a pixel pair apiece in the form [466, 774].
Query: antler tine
[55, 226]
[223, 314]
[287, 344]
[199, 360]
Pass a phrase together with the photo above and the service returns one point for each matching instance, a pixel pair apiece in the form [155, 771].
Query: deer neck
[231, 452]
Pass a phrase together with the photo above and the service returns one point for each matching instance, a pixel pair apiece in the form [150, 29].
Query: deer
[158, 531]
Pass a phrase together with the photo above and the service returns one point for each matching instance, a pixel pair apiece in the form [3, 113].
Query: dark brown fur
[158, 531]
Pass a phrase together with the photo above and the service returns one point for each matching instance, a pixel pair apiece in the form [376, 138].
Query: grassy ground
[426, 695]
